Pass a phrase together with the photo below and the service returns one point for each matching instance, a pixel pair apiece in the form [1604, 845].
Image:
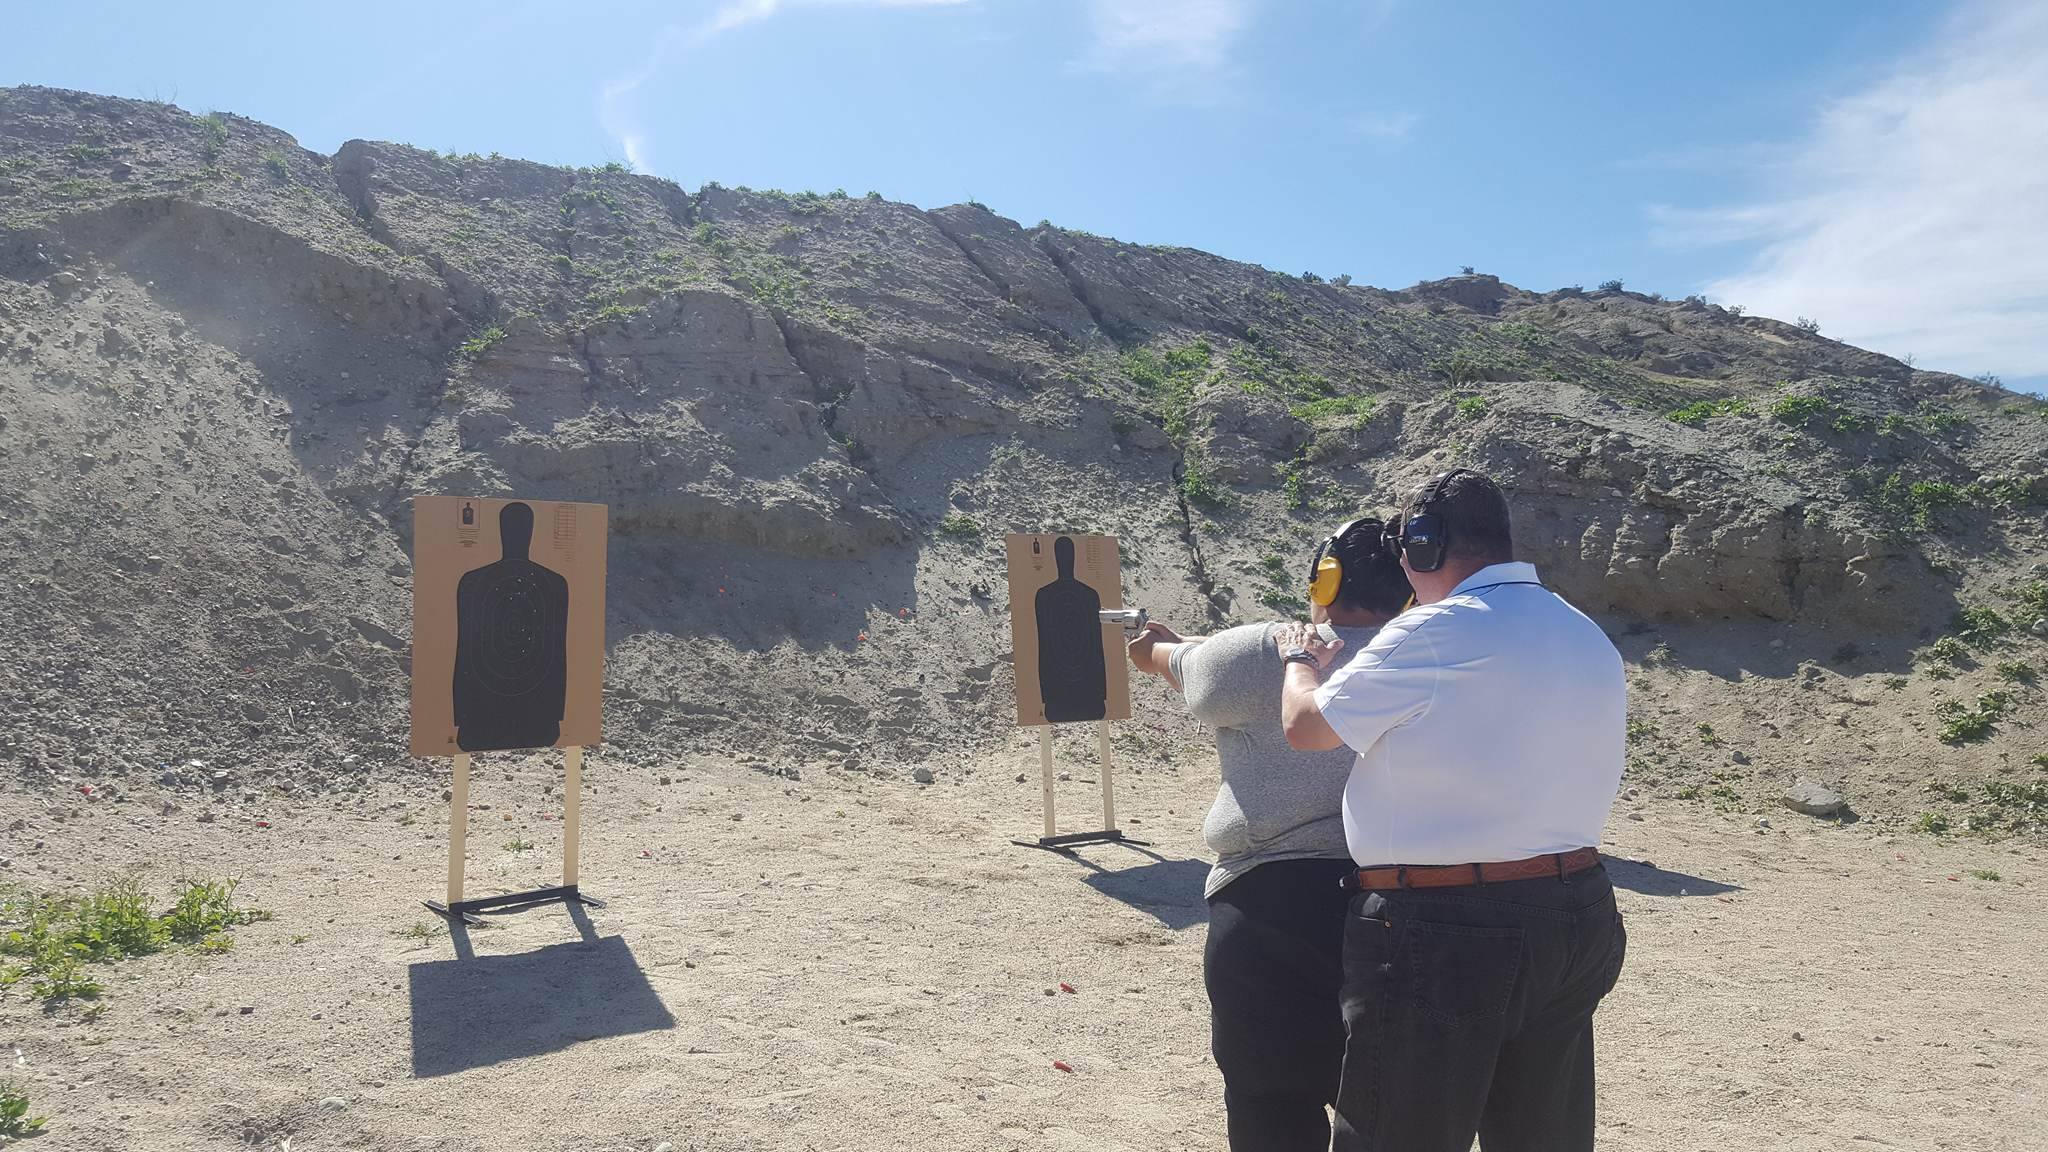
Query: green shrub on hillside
[1700, 411]
[1331, 407]
[1169, 380]
[1798, 410]
[475, 347]
[1201, 489]
[1982, 625]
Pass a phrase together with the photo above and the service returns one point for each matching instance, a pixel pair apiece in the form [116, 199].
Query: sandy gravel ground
[839, 963]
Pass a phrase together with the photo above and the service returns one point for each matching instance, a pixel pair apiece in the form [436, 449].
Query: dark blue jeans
[1469, 1011]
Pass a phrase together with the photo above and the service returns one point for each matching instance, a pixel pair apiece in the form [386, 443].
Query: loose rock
[1813, 798]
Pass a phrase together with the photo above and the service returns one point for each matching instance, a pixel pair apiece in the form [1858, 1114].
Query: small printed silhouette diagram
[1073, 683]
[511, 646]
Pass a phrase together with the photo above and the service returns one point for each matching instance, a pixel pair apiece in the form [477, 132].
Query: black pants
[1469, 1011]
[1274, 966]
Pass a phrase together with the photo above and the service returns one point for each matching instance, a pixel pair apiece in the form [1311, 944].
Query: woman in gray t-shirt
[1274, 959]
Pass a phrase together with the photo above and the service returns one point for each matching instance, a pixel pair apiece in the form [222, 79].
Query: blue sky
[1880, 168]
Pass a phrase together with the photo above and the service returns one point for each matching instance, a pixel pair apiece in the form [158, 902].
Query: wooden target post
[458, 831]
[1109, 833]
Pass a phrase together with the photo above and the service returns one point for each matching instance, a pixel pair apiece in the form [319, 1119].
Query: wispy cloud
[1385, 125]
[1914, 216]
[615, 108]
[1181, 48]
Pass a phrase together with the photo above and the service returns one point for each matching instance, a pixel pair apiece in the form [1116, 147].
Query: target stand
[1053, 841]
[455, 907]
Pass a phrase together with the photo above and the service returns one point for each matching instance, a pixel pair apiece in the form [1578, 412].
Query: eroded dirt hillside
[226, 363]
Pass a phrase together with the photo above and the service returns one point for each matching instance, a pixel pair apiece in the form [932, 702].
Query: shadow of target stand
[507, 655]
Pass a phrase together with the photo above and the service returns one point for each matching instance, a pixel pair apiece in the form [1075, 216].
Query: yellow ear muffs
[1323, 584]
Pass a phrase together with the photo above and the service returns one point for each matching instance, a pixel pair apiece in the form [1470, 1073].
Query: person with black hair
[1274, 959]
[1489, 724]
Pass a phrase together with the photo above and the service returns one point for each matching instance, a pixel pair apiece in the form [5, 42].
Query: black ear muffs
[1326, 571]
[1422, 537]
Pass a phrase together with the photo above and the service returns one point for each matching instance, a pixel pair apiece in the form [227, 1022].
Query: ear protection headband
[1423, 537]
[1326, 571]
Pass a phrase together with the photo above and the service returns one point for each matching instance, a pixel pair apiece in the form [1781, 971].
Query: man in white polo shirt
[1489, 723]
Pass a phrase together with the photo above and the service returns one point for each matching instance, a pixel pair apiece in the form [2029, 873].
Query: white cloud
[614, 105]
[1159, 35]
[1914, 216]
[1179, 49]
[1385, 125]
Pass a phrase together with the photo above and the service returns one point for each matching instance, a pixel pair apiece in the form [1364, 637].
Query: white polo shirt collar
[1512, 572]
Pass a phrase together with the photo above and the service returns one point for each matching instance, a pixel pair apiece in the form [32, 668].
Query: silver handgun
[1131, 620]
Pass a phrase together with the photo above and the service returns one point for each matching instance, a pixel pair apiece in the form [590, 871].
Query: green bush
[1358, 408]
[213, 135]
[960, 527]
[2017, 805]
[1472, 407]
[1201, 489]
[1935, 418]
[1932, 823]
[1798, 410]
[276, 164]
[1963, 725]
[1461, 369]
[206, 907]
[53, 939]
[1981, 625]
[1169, 380]
[1699, 411]
[1285, 603]
[2017, 671]
[1294, 487]
[481, 343]
[15, 1122]
[1917, 501]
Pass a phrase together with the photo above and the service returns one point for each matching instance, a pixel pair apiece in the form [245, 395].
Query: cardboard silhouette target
[507, 653]
[1069, 662]
[508, 625]
[1070, 667]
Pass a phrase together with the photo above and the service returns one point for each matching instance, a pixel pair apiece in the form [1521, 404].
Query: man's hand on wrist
[1303, 640]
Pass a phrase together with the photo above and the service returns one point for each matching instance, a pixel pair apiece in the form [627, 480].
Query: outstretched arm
[1152, 650]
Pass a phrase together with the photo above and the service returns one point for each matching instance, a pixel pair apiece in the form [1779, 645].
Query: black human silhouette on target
[511, 646]
[1073, 681]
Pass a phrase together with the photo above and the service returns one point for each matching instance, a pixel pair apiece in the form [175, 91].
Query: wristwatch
[1299, 656]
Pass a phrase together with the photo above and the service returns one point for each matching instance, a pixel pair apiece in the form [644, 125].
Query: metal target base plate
[467, 909]
[1071, 840]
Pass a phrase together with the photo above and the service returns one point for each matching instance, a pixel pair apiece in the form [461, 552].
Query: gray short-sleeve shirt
[1275, 803]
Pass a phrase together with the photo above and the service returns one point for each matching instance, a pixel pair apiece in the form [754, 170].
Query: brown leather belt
[1451, 875]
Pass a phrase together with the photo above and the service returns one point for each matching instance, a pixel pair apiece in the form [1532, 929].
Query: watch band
[1299, 656]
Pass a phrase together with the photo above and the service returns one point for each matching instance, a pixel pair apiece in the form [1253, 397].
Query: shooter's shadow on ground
[1650, 880]
[474, 1011]
[1170, 890]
